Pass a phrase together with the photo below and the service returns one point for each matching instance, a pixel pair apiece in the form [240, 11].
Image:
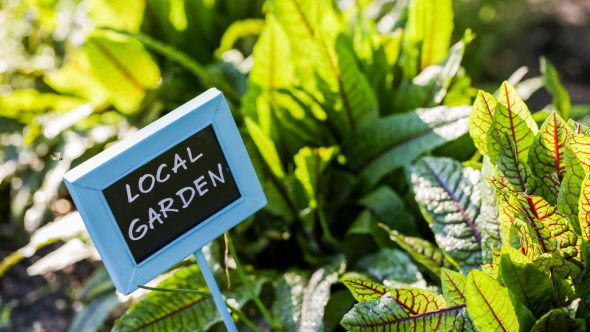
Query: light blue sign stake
[167, 190]
[215, 293]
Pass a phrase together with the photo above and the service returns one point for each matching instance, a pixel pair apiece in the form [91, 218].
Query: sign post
[215, 292]
[154, 198]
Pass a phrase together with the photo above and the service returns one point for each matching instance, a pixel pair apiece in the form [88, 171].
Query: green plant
[521, 218]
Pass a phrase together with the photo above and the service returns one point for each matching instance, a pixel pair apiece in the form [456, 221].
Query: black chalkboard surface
[172, 193]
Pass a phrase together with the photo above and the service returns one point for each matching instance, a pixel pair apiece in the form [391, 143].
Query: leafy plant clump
[512, 232]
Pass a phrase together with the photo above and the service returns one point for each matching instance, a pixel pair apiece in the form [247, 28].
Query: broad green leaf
[562, 273]
[272, 68]
[422, 251]
[558, 320]
[542, 228]
[363, 289]
[508, 97]
[487, 219]
[266, 147]
[177, 15]
[300, 303]
[92, 316]
[480, 120]
[387, 314]
[546, 157]
[453, 286]
[240, 29]
[289, 297]
[526, 283]
[25, 105]
[389, 208]
[508, 123]
[396, 140]
[357, 96]
[430, 24]
[117, 14]
[309, 166]
[511, 166]
[449, 198]
[561, 99]
[569, 191]
[180, 311]
[393, 267]
[489, 305]
[75, 78]
[123, 67]
[584, 208]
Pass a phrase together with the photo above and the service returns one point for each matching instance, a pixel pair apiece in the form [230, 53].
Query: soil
[41, 302]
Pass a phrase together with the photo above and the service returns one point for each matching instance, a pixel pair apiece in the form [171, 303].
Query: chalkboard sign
[172, 193]
[161, 194]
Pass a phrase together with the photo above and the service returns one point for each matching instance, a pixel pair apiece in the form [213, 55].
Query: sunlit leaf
[363, 289]
[396, 140]
[180, 311]
[387, 314]
[430, 24]
[453, 286]
[546, 157]
[490, 308]
[449, 198]
[118, 14]
[561, 99]
[422, 251]
[266, 147]
[480, 120]
[123, 67]
[558, 320]
[526, 283]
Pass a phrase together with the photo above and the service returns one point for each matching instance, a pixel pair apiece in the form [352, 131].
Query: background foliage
[335, 100]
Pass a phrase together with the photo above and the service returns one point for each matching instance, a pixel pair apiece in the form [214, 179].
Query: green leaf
[526, 283]
[546, 158]
[489, 305]
[558, 320]
[123, 67]
[508, 122]
[387, 314]
[422, 251]
[575, 172]
[508, 97]
[541, 227]
[266, 147]
[309, 166]
[362, 289]
[488, 220]
[511, 166]
[92, 316]
[117, 14]
[430, 24]
[453, 286]
[300, 304]
[562, 274]
[177, 15]
[396, 140]
[357, 96]
[272, 68]
[392, 266]
[449, 198]
[584, 208]
[75, 78]
[480, 120]
[388, 207]
[243, 28]
[179, 311]
[561, 99]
